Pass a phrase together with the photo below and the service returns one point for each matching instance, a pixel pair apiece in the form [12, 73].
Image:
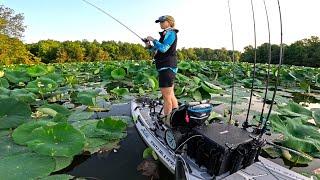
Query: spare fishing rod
[245, 125]
[233, 63]
[262, 119]
[264, 128]
[106, 13]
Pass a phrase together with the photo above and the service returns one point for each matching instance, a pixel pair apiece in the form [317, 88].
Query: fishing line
[186, 142]
[245, 124]
[104, 12]
[269, 62]
[278, 69]
[233, 63]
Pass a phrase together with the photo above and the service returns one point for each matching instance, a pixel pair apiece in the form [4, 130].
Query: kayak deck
[264, 169]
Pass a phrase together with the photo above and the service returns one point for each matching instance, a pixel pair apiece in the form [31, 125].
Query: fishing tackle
[108, 14]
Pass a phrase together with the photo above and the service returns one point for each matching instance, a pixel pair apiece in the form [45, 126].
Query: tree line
[304, 52]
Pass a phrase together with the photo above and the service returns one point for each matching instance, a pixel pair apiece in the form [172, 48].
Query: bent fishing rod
[108, 14]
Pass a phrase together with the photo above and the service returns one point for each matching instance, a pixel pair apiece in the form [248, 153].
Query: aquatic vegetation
[48, 113]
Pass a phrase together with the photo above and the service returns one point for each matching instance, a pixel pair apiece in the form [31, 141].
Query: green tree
[46, 50]
[11, 24]
[94, 51]
[13, 51]
[112, 48]
[71, 52]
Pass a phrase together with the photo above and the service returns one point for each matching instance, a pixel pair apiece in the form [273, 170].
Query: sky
[202, 23]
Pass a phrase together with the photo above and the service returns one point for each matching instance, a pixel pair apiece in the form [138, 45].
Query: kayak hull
[264, 169]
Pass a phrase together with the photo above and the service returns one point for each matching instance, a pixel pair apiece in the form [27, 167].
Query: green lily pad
[23, 95]
[22, 134]
[42, 85]
[277, 124]
[13, 113]
[108, 129]
[120, 91]
[58, 108]
[118, 74]
[4, 91]
[316, 116]
[4, 133]
[294, 109]
[211, 88]
[87, 98]
[179, 91]
[197, 95]
[17, 76]
[61, 139]
[182, 78]
[196, 80]
[58, 177]
[272, 152]
[55, 77]
[153, 82]
[248, 82]
[296, 159]
[94, 145]
[183, 65]
[99, 139]
[62, 162]
[9, 148]
[303, 138]
[79, 116]
[112, 124]
[149, 152]
[204, 94]
[4, 83]
[36, 71]
[26, 166]
[48, 111]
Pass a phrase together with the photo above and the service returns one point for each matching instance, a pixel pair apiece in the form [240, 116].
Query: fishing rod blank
[278, 71]
[233, 63]
[104, 12]
[246, 124]
[262, 119]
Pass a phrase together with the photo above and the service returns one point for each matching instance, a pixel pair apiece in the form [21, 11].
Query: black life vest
[169, 58]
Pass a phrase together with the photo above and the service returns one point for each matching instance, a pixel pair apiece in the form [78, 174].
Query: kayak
[188, 165]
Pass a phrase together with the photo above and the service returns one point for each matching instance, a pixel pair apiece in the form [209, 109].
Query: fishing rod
[285, 148]
[262, 119]
[233, 63]
[106, 13]
[246, 123]
[278, 71]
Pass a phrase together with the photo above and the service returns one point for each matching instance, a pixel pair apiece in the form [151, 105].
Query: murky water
[121, 164]
[115, 165]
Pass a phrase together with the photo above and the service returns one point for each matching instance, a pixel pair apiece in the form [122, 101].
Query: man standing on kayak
[166, 62]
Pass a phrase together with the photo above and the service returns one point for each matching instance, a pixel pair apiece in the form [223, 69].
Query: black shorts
[166, 78]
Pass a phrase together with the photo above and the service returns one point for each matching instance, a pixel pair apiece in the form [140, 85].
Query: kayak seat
[177, 117]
